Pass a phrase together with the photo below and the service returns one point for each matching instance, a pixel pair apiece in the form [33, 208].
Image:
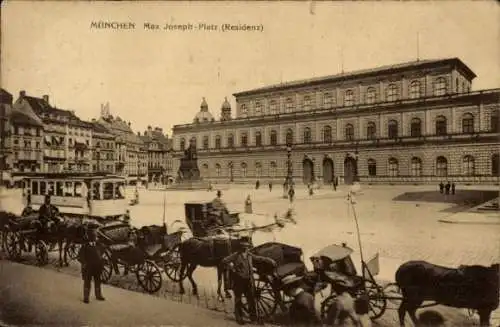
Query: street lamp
[289, 172]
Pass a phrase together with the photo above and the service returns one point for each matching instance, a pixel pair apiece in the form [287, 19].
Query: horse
[473, 287]
[206, 252]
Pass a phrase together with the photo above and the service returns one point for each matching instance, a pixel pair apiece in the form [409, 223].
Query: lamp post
[289, 172]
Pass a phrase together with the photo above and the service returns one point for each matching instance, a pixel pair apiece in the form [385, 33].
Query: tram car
[99, 196]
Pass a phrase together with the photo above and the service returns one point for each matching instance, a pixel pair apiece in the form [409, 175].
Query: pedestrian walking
[241, 274]
[291, 194]
[311, 191]
[447, 188]
[441, 187]
[257, 184]
[453, 188]
[270, 186]
[248, 205]
[92, 264]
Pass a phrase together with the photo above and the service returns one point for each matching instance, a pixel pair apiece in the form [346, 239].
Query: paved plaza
[397, 230]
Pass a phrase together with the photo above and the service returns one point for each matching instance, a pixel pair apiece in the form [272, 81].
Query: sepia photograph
[259, 163]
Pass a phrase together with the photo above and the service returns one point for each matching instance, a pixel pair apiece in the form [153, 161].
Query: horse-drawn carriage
[24, 234]
[203, 221]
[142, 252]
[332, 264]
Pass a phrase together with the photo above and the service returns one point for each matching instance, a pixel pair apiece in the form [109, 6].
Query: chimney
[149, 127]
[46, 98]
[128, 124]
[22, 94]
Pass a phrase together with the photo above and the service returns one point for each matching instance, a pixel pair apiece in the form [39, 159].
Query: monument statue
[188, 170]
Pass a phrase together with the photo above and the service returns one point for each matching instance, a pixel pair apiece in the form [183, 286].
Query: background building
[5, 147]
[130, 152]
[413, 122]
[66, 140]
[159, 155]
[104, 149]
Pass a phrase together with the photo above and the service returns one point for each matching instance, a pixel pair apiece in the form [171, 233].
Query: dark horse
[206, 252]
[473, 287]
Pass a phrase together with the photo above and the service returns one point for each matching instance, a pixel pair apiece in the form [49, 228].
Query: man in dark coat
[447, 188]
[90, 257]
[241, 267]
[47, 213]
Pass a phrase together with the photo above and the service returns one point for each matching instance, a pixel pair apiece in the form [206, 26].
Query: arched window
[371, 131]
[289, 136]
[205, 142]
[194, 142]
[327, 134]
[416, 166]
[349, 132]
[468, 123]
[217, 142]
[440, 125]
[392, 92]
[273, 138]
[440, 86]
[392, 129]
[258, 169]
[495, 165]
[205, 169]
[415, 90]
[258, 108]
[349, 98]
[289, 105]
[307, 102]
[273, 107]
[441, 166]
[307, 135]
[372, 167]
[416, 127]
[244, 139]
[217, 169]
[456, 85]
[371, 95]
[230, 141]
[258, 138]
[272, 169]
[243, 169]
[468, 167]
[244, 110]
[495, 119]
[328, 100]
[393, 167]
[182, 143]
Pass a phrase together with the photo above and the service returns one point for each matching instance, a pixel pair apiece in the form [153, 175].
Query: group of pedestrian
[445, 188]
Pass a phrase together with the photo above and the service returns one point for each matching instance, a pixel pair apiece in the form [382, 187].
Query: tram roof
[67, 175]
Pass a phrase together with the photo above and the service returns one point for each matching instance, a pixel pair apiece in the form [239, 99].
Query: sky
[158, 78]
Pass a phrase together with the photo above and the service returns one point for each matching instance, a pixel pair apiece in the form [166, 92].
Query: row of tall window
[416, 130]
[393, 170]
[441, 166]
[371, 96]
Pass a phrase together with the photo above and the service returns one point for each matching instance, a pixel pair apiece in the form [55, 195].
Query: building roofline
[360, 74]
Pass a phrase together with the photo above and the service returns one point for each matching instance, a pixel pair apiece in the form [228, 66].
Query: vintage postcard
[213, 163]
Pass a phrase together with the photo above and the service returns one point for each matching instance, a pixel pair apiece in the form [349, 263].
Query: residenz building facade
[417, 122]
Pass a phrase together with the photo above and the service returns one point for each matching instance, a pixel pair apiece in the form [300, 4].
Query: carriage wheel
[376, 300]
[265, 298]
[172, 264]
[107, 269]
[73, 249]
[149, 276]
[13, 245]
[325, 308]
[41, 253]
